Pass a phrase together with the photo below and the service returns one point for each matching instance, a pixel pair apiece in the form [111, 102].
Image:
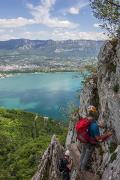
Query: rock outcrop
[109, 85]
[112, 170]
[48, 167]
[103, 91]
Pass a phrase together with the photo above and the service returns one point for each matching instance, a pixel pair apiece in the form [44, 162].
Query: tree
[108, 11]
[113, 3]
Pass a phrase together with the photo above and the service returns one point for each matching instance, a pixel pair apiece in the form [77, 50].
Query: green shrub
[91, 68]
[113, 157]
[99, 173]
[112, 147]
[111, 67]
[116, 88]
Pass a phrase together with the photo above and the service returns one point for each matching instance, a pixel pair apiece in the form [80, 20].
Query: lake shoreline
[89, 67]
[2, 76]
[11, 74]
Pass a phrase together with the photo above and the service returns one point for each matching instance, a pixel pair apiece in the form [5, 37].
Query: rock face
[48, 168]
[112, 171]
[89, 95]
[109, 103]
[103, 91]
[109, 85]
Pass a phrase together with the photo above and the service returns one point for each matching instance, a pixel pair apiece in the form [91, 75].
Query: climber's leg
[83, 152]
[66, 175]
[88, 153]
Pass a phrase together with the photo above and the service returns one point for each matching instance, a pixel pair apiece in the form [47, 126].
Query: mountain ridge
[17, 43]
[48, 52]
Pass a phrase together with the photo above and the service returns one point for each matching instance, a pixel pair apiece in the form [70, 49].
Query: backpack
[62, 165]
[82, 131]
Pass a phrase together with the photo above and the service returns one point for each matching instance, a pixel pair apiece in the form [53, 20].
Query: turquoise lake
[43, 93]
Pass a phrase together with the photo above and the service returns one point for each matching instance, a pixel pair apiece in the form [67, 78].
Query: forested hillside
[23, 139]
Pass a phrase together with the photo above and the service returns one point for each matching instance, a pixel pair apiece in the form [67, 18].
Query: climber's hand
[101, 124]
[109, 133]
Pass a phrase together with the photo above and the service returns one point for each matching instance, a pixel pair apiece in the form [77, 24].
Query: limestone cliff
[108, 86]
[103, 91]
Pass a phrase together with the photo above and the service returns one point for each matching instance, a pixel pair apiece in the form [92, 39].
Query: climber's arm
[104, 136]
[96, 133]
[69, 166]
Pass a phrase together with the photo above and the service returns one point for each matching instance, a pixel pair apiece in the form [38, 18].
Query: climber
[93, 138]
[65, 165]
[83, 124]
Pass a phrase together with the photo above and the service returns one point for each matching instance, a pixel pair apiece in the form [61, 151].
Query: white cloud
[11, 30]
[96, 25]
[36, 35]
[57, 34]
[17, 34]
[2, 30]
[75, 35]
[41, 14]
[76, 9]
[18, 22]
[6, 36]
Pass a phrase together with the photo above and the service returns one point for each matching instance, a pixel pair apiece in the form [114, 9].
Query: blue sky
[48, 19]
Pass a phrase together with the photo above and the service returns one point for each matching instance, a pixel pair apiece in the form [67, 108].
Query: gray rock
[107, 91]
[109, 86]
[112, 172]
[48, 167]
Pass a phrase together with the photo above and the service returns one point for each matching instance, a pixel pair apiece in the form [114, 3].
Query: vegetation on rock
[112, 147]
[111, 67]
[113, 157]
[116, 88]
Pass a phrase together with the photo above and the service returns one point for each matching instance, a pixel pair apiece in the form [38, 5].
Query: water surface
[43, 93]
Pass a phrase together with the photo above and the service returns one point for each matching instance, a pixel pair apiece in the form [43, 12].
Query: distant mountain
[50, 48]
[45, 55]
